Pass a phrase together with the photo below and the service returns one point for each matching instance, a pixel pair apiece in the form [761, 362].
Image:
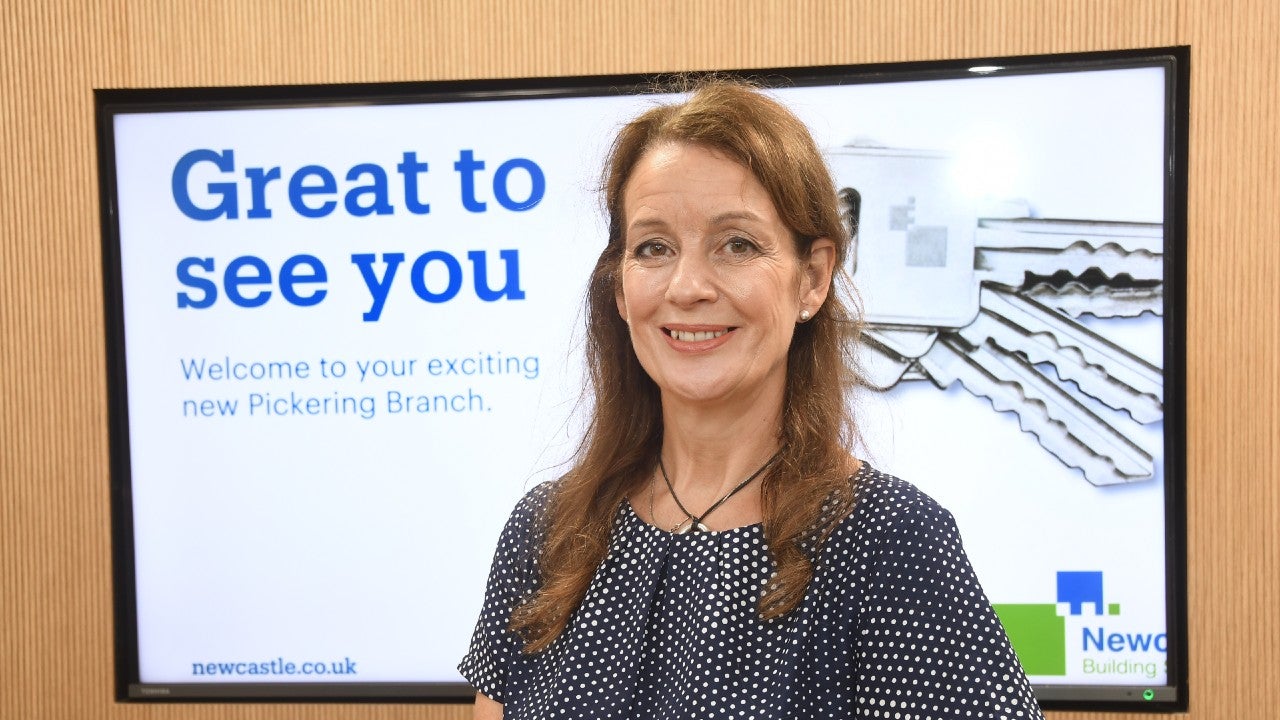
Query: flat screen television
[344, 337]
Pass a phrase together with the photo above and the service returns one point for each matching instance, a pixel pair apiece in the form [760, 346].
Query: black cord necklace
[693, 523]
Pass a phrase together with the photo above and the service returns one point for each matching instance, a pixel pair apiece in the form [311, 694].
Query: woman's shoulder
[528, 517]
[534, 502]
[892, 524]
[885, 504]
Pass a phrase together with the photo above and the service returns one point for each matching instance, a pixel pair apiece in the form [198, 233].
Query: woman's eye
[739, 246]
[652, 249]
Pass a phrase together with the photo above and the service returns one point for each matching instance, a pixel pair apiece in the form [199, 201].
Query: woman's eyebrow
[651, 223]
[646, 223]
[731, 215]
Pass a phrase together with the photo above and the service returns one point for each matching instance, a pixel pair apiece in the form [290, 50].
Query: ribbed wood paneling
[55, 607]
[1233, 375]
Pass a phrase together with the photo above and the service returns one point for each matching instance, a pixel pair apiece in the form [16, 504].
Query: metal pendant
[691, 526]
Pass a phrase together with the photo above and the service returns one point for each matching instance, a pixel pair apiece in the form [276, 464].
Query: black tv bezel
[109, 103]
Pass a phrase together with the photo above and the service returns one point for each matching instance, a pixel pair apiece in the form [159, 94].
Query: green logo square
[1038, 635]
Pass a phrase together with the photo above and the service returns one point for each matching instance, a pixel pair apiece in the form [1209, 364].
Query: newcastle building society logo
[1038, 631]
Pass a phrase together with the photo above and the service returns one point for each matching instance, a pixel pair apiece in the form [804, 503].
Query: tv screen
[345, 330]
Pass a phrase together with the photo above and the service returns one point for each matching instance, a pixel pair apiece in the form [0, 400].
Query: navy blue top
[893, 624]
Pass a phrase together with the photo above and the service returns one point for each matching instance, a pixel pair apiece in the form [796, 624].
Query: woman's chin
[712, 391]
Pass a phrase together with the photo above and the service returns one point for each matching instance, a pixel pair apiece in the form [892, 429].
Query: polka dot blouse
[894, 625]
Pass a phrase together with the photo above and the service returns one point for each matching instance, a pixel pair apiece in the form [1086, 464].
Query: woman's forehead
[694, 175]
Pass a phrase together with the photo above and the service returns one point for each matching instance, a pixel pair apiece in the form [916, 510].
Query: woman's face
[712, 286]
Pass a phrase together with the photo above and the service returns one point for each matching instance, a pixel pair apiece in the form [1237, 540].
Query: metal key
[1015, 233]
[887, 355]
[1063, 426]
[949, 297]
[1010, 267]
[1123, 262]
[1075, 299]
[912, 256]
[1100, 368]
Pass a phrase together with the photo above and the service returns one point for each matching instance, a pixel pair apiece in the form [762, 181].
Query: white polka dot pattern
[894, 625]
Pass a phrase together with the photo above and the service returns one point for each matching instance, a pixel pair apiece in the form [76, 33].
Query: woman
[715, 552]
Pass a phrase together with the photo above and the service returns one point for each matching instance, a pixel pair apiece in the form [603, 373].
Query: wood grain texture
[55, 605]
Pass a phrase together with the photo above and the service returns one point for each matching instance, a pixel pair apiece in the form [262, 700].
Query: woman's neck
[707, 449]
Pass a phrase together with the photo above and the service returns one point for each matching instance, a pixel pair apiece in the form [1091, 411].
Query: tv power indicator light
[1148, 694]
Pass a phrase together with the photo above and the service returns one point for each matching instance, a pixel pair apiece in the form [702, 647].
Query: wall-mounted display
[345, 326]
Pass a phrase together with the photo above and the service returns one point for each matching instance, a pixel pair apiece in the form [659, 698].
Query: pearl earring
[804, 315]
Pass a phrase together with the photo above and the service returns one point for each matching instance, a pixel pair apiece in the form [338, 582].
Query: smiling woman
[712, 282]
[715, 551]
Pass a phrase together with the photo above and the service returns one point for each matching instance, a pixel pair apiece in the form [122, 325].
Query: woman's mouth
[695, 335]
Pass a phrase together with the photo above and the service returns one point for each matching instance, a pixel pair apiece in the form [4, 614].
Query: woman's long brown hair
[624, 432]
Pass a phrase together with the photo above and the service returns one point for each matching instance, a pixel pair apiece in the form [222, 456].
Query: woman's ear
[622, 301]
[816, 272]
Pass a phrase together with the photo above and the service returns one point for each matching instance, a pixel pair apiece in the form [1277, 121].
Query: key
[1075, 299]
[1108, 269]
[1105, 292]
[946, 296]
[1010, 267]
[912, 256]
[1101, 369]
[1054, 234]
[887, 355]
[1061, 424]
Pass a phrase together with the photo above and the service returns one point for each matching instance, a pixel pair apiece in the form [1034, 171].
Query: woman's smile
[696, 339]
[712, 283]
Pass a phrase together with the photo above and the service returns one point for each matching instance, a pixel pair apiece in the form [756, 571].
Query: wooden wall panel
[1233, 376]
[55, 605]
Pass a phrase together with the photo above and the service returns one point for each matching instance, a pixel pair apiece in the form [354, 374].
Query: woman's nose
[692, 281]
